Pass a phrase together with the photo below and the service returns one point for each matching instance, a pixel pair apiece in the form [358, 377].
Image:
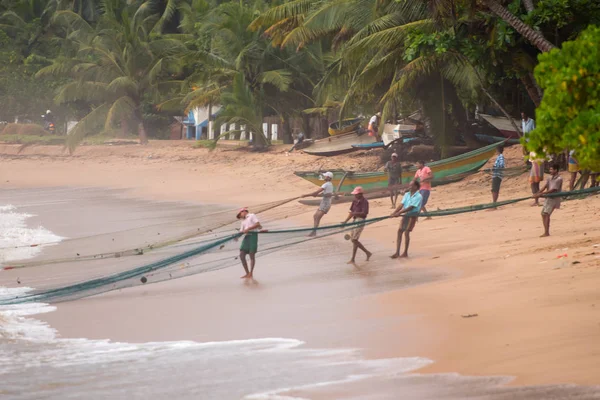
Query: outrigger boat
[338, 144]
[503, 125]
[347, 125]
[445, 171]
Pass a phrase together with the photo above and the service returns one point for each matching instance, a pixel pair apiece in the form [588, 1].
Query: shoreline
[533, 321]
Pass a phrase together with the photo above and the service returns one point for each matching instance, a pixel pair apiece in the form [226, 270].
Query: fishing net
[203, 253]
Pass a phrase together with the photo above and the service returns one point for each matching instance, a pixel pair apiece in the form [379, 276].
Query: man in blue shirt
[410, 207]
[497, 173]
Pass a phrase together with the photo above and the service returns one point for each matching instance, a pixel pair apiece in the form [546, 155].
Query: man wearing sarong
[358, 213]
[497, 173]
[553, 185]
[394, 170]
[249, 228]
[410, 209]
[536, 175]
[374, 126]
[327, 190]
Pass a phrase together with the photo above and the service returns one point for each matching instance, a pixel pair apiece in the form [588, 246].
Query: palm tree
[115, 67]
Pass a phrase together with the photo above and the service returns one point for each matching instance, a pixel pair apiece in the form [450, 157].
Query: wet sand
[534, 320]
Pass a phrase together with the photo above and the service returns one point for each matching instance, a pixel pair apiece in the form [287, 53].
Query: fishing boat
[503, 125]
[347, 125]
[367, 146]
[445, 171]
[496, 139]
[338, 144]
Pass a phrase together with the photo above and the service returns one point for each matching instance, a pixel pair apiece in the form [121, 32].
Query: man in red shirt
[424, 176]
[358, 212]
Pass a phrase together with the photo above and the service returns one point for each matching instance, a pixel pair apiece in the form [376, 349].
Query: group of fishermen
[412, 204]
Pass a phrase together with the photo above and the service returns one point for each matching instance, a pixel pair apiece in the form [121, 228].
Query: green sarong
[250, 243]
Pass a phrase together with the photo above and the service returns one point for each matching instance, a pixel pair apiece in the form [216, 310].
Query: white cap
[395, 155]
[328, 175]
[47, 111]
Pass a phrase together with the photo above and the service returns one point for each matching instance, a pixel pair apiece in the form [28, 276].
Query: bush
[24, 129]
[569, 116]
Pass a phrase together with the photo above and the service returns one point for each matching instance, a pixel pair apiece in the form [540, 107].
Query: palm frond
[123, 108]
[89, 124]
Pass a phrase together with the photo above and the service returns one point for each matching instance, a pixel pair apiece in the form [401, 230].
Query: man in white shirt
[374, 126]
[249, 228]
[327, 190]
[527, 124]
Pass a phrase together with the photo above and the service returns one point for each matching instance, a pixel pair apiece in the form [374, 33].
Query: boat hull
[348, 125]
[444, 171]
[503, 125]
[339, 144]
[496, 139]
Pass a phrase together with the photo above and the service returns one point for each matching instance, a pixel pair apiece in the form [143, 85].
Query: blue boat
[376, 145]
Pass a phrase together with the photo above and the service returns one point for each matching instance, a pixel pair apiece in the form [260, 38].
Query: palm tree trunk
[536, 38]
[142, 133]
[531, 90]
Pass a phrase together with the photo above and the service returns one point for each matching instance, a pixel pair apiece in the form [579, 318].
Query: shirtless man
[553, 185]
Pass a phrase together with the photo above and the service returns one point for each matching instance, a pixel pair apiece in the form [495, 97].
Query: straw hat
[241, 211]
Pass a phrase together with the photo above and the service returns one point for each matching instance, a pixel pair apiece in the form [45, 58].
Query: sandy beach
[481, 294]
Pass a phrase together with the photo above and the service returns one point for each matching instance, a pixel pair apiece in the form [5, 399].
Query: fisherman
[394, 170]
[358, 212]
[299, 140]
[374, 126]
[249, 228]
[553, 185]
[527, 124]
[410, 207]
[497, 173]
[327, 190]
[424, 176]
[536, 175]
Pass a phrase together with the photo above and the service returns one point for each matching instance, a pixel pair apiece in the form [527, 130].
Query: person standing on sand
[553, 185]
[536, 175]
[527, 125]
[374, 126]
[249, 228]
[497, 173]
[358, 212]
[410, 207]
[394, 170]
[327, 190]
[424, 176]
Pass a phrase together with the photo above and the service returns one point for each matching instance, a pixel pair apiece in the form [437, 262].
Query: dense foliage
[569, 116]
[126, 66]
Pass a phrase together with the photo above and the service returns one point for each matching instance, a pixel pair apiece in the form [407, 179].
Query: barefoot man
[250, 228]
[358, 212]
[394, 170]
[497, 173]
[410, 207]
[327, 190]
[424, 176]
[553, 185]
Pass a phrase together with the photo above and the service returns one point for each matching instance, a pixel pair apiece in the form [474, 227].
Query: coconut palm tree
[114, 67]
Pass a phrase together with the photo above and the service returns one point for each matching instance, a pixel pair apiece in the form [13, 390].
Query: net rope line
[159, 270]
[145, 248]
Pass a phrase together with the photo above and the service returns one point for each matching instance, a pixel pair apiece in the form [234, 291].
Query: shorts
[550, 204]
[355, 233]
[325, 205]
[496, 181]
[250, 243]
[393, 181]
[425, 194]
[408, 223]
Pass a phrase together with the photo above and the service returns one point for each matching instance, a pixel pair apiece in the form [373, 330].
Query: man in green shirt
[394, 170]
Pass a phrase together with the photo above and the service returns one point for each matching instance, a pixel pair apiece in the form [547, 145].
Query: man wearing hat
[358, 212]
[327, 190]
[394, 170]
[374, 126]
[250, 228]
